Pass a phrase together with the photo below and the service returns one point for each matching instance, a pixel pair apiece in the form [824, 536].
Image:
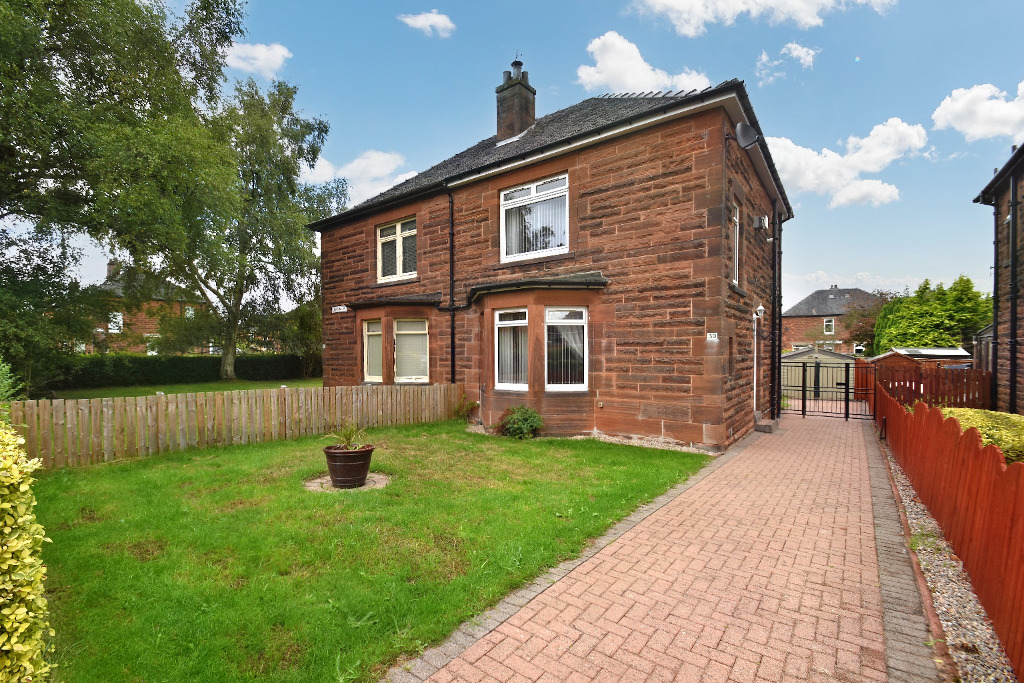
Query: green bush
[520, 422]
[128, 369]
[1001, 429]
[24, 623]
[9, 390]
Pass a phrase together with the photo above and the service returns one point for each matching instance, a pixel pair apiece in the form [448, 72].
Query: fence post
[846, 390]
[803, 389]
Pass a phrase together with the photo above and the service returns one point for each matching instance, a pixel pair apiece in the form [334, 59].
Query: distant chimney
[113, 269]
[516, 107]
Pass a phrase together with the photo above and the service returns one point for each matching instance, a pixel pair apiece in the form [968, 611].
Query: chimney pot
[113, 269]
[506, 77]
[517, 69]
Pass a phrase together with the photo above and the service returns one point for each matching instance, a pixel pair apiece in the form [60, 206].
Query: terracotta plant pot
[348, 467]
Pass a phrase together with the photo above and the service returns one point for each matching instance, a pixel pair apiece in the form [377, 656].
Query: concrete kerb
[434, 659]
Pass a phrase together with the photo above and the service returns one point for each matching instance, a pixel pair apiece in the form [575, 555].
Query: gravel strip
[972, 642]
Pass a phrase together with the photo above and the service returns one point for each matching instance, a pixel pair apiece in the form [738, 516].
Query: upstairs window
[830, 325]
[511, 340]
[535, 219]
[396, 251]
[116, 325]
[565, 349]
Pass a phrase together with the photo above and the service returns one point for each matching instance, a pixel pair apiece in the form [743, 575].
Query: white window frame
[830, 325]
[586, 348]
[116, 323]
[533, 198]
[398, 239]
[735, 244]
[367, 377]
[426, 333]
[189, 312]
[498, 324]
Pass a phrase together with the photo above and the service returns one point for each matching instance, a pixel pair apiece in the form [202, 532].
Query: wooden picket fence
[977, 500]
[947, 387]
[85, 431]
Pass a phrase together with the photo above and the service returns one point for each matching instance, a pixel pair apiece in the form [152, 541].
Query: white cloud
[265, 60]
[838, 175]
[796, 287]
[429, 22]
[767, 69]
[982, 111]
[804, 55]
[619, 66]
[368, 175]
[691, 17]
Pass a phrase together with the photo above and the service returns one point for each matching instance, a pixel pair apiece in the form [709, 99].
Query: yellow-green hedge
[24, 627]
[1002, 429]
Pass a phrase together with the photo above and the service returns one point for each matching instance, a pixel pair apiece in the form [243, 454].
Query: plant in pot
[348, 461]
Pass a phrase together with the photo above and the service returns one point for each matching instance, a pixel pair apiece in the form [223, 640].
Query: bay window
[565, 349]
[511, 356]
[535, 219]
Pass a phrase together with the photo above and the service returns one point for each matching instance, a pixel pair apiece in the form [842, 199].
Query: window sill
[736, 288]
[534, 261]
[389, 283]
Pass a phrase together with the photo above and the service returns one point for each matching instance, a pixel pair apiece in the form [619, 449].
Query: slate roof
[832, 301]
[587, 118]
[161, 291]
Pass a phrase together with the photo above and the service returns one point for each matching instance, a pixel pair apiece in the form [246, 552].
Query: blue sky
[885, 117]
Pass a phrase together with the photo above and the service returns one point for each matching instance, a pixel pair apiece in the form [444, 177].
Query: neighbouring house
[938, 357]
[817, 320]
[132, 328]
[605, 264]
[1003, 193]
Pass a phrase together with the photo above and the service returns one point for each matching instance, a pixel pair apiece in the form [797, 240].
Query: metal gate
[835, 389]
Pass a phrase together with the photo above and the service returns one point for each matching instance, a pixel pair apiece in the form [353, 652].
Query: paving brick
[779, 562]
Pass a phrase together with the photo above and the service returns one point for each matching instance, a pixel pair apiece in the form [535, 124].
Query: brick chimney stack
[516, 107]
[113, 269]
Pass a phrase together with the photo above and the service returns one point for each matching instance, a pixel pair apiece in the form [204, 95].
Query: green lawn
[217, 565]
[222, 385]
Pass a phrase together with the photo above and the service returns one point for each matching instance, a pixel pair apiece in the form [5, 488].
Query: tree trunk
[227, 355]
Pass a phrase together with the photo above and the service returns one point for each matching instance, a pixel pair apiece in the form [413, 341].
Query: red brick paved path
[764, 570]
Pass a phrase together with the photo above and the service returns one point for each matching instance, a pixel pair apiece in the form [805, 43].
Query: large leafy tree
[933, 316]
[243, 261]
[103, 107]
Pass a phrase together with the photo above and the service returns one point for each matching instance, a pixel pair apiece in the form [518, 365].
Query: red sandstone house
[1003, 193]
[132, 330]
[817, 321]
[604, 264]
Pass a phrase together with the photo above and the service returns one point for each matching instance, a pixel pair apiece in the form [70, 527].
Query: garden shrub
[24, 625]
[1001, 429]
[127, 369]
[464, 408]
[9, 390]
[520, 422]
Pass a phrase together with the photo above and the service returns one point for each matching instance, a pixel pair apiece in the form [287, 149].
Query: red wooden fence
[947, 387]
[976, 499]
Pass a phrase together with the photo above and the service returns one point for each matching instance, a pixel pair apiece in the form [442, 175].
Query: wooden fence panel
[977, 499]
[78, 432]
